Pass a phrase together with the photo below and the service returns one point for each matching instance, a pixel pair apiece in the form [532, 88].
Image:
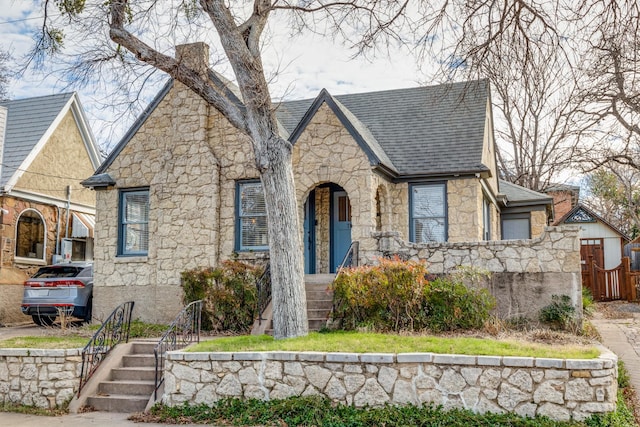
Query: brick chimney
[195, 56]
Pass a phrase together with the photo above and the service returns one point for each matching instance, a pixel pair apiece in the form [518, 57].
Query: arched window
[30, 241]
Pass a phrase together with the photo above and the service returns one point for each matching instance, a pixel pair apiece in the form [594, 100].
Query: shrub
[587, 302]
[396, 295]
[560, 313]
[229, 295]
[451, 305]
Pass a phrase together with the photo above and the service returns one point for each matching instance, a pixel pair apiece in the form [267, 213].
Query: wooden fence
[618, 283]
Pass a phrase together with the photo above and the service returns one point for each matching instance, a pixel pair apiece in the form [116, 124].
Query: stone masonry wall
[41, 378]
[524, 273]
[558, 388]
[169, 155]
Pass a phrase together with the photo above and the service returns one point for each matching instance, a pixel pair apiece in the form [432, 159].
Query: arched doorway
[327, 228]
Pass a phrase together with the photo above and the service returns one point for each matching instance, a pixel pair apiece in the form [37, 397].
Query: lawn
[357, 342]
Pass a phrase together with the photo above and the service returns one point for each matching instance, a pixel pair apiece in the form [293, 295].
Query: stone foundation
[41, 378]
[558, 388]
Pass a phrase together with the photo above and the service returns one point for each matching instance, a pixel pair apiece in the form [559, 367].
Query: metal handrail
[113, 331]
[263, 285]
[351, 259]
[184, 330]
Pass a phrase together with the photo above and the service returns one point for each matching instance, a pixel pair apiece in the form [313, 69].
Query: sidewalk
[88, 419]
[622, 336]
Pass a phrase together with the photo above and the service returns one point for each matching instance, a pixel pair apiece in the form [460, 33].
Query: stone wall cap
[249, 355]
[414, 357]
[489, 360]
[454, 359]
[543, 362]
[584, 364]
[196, 356]
[311, 356]
[377, 358]
[343, 357]
[518, 362]
[282, 355]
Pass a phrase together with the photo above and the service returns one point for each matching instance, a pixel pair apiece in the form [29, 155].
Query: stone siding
[62, 161]
[525, 273]
[41, 378]
[558, 388]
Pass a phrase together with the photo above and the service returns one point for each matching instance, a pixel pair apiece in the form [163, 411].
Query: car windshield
[53, 272]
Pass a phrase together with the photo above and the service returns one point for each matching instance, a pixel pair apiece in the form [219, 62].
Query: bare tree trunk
[286, 255]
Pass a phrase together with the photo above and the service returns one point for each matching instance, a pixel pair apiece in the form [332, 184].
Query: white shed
[599, 238]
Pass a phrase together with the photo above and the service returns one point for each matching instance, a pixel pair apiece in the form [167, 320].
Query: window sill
[120, 259]
[29, 261]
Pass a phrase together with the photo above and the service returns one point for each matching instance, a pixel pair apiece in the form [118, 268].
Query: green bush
[396, 296]
[451, 305]
[587, 302]
[229, 295]
[560, 313]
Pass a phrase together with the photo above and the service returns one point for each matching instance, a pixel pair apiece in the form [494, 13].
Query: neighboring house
[181, 189]
[46, 148]
[525, 213]
[632, 250]
[599, 240]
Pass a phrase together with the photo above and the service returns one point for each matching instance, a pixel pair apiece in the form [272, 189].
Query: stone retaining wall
[524, 273]
[41, 378]
[558, 388]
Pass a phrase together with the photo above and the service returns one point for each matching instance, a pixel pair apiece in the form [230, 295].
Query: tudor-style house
[181, 189]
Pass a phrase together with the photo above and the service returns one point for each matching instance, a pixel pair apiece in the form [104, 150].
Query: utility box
[67, 250]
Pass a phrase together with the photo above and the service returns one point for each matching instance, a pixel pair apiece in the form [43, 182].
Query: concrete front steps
[319, 304]
[124, 382]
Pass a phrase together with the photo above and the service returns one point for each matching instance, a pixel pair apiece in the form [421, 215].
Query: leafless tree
[614, 192]
[5, 74]
[139, 27]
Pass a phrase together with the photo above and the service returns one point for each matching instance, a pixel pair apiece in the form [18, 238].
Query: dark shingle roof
[416, 132]
[423, 131]
[27, 122]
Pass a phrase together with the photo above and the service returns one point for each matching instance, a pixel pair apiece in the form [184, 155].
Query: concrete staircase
[319, 299]
[130, 383]
[319, 304]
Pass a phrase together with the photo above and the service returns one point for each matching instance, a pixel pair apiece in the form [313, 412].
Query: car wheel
[41, 320]
[88, 311]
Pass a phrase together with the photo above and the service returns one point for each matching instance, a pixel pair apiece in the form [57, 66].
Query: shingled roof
[29, 123]
[434, 130]
[407, 133]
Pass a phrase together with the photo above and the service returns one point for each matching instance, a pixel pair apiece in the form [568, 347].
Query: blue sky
[306, 65]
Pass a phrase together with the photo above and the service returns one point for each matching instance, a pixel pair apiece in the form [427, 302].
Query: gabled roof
[406, 133]
[30, 123]
[424, 131]
[517, 195]
[581, 213]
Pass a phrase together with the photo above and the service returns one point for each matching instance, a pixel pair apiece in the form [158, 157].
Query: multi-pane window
[252, 217]
[30, 234]
[428, 213]
[134, 222]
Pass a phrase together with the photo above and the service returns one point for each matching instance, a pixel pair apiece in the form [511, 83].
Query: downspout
[58, 232]
[66, 228]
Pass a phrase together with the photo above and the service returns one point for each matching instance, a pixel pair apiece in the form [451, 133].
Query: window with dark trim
[516, 226]
[251, 217]
[428, 212]
[133, 230]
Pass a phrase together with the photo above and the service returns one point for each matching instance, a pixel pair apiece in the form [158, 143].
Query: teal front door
[340, 228]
